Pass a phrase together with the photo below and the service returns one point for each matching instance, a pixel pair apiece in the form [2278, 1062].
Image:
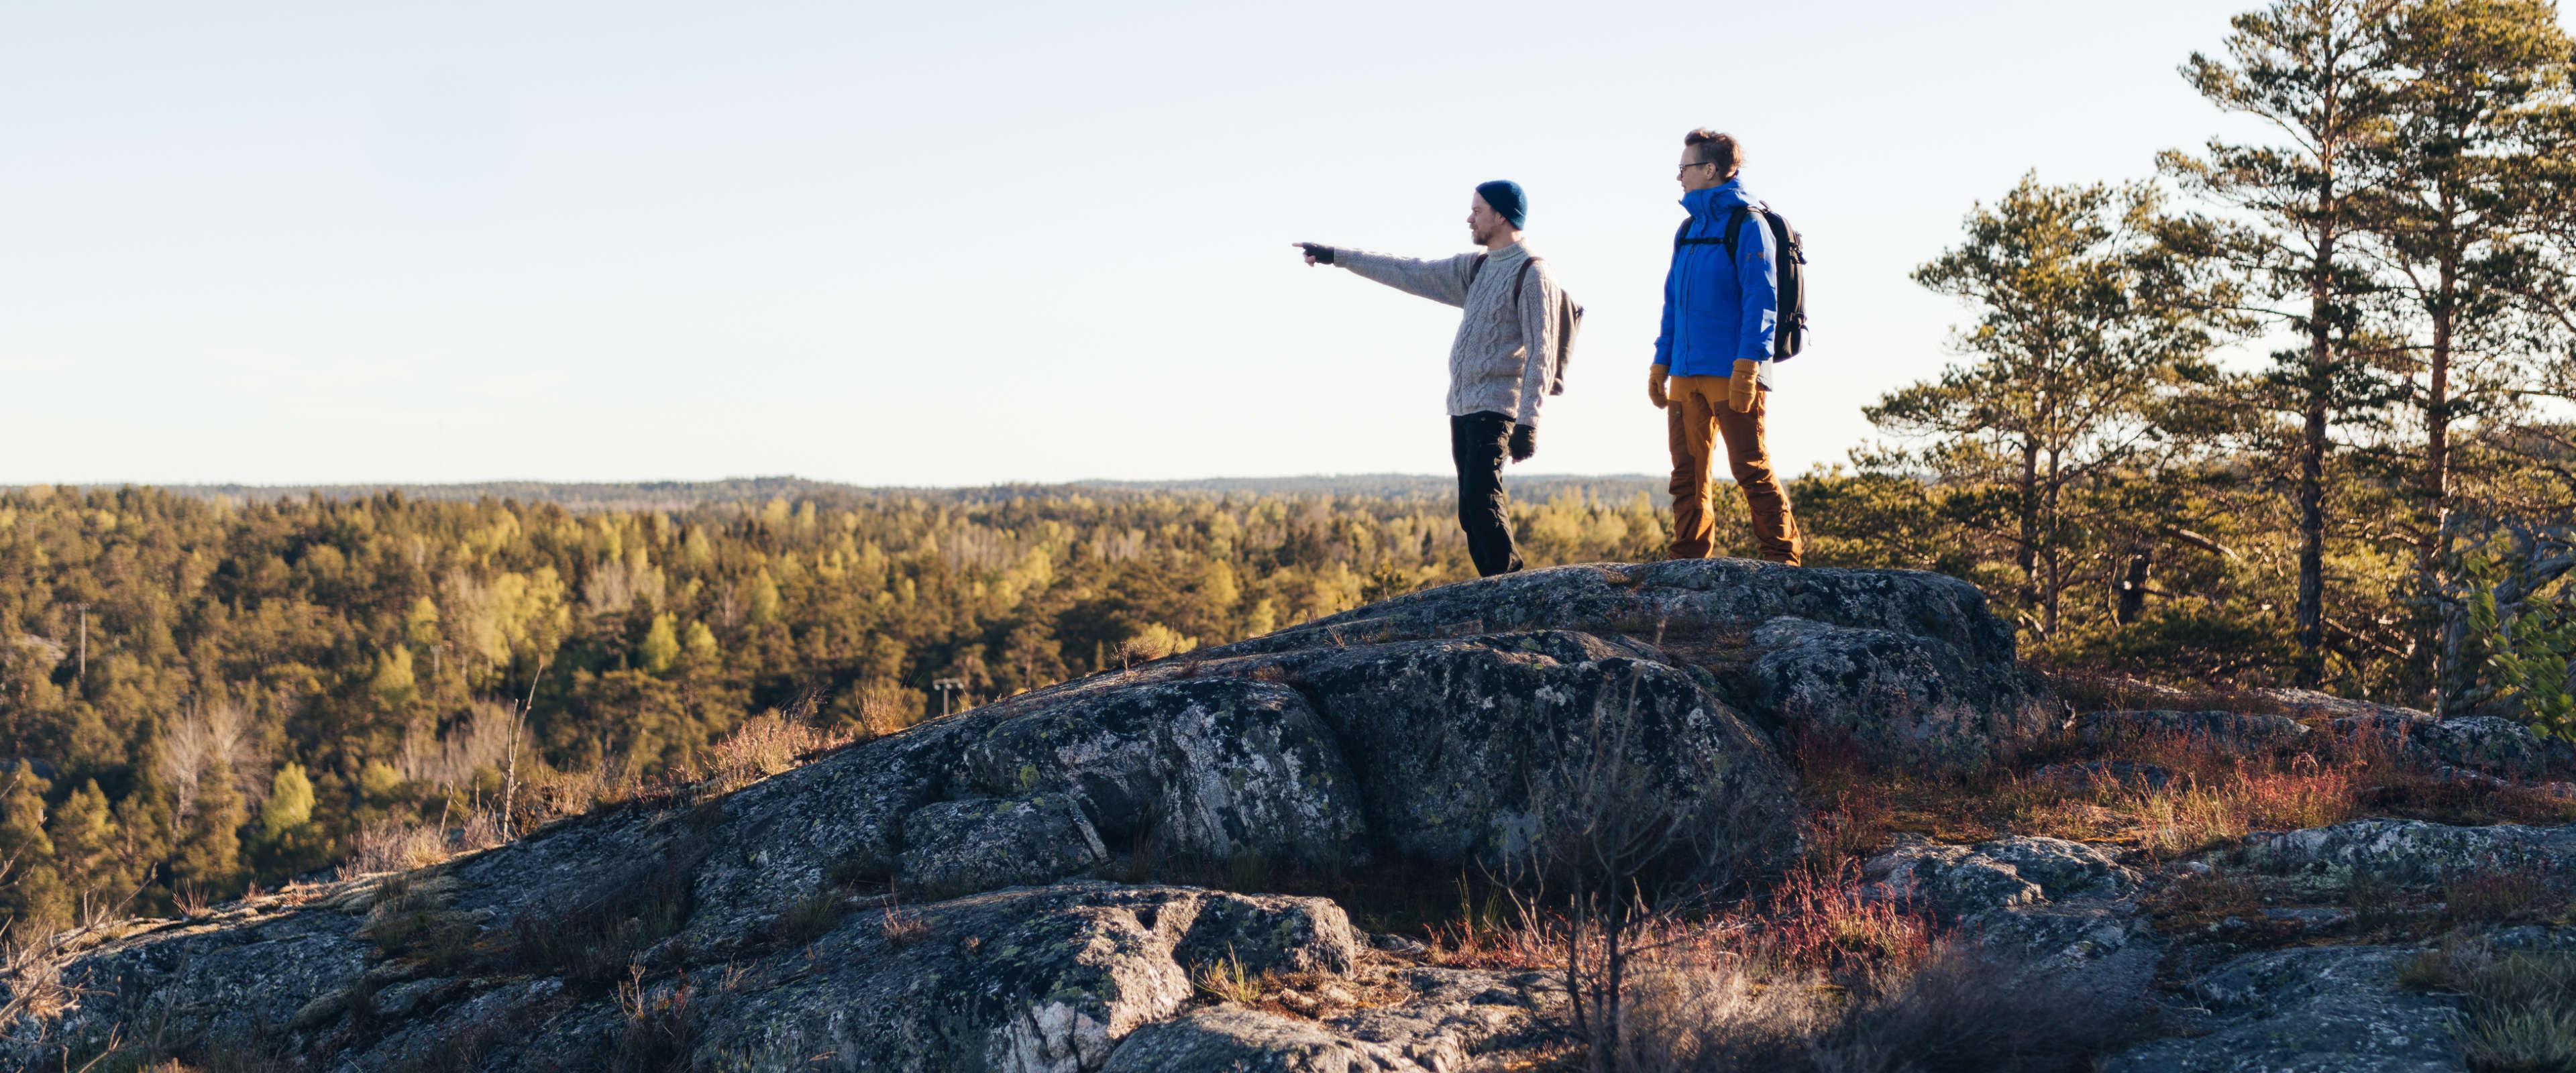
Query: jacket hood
[1717, 200]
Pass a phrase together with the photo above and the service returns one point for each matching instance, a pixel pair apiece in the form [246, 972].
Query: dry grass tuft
[2506, 896]
[2169, 794]
[2194, 815]
[1823, 923]
[394, 847]
[764, 745]
[1527, 942]
[1949, 1009]
[1226, 980]
[32, 973]
[2522, 1005]
[658, 1029]
[807, 919]
[902, 927]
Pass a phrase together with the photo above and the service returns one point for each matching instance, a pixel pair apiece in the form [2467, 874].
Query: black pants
[1479, 443]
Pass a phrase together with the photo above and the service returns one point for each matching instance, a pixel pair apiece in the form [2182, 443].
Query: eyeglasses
[1687, 167]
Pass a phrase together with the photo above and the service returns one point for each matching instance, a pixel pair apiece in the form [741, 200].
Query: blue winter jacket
[1716, 311]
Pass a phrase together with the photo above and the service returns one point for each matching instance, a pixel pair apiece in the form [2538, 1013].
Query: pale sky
[940, 244]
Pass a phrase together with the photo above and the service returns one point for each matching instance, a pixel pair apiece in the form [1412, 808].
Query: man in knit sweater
[1502, 364]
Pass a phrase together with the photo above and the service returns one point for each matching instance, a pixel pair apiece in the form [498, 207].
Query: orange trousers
[1699, 417]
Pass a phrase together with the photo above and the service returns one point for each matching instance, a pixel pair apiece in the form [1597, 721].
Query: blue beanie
[1507, 199]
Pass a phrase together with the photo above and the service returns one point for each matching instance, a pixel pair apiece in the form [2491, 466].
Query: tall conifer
[2317, 71]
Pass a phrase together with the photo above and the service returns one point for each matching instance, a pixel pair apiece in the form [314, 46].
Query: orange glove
[1741, 386]
[1655, 386]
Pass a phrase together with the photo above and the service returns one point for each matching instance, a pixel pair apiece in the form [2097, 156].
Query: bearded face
[1483, 223]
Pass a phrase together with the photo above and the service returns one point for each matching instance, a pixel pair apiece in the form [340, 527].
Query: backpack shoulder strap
[1734, 226]
[1476, 268]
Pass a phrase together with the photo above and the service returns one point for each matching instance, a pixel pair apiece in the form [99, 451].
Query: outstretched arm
[1443, 281]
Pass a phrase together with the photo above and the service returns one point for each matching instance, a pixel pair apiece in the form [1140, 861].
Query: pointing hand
[1315, 254]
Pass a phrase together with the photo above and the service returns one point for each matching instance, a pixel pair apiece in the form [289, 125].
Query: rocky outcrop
[240, 973]
[2255, 730]
[2381, 1004]
[1909, 663]
[2478, 745]
[2407, 851]
[2334, 1009]
[1043, 979]
[1448, 1016]
[1964, 881]
[2047, 905]
[1437, 728]
[982, 893]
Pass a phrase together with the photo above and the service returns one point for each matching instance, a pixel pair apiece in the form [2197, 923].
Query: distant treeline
[682, 495]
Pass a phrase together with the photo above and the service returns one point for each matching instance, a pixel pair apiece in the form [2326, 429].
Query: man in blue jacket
[1712, 372]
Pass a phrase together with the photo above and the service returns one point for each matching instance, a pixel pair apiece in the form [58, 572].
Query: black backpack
[1789, 263]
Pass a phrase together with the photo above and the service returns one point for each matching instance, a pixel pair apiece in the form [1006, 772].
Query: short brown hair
[1710, 147]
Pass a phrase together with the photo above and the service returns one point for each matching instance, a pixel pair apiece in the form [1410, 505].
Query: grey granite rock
[2310, 1010]
[1449, 1019]
[1964, 881]
[2046, 906]
[1677, 601]
[956, 847]
[2406, 851]
[1449, 739]
[1899, 695]
[1038, 979]
[1911, 663]
[246, 970]
[1212, 768]
[2475, 744]
[1237, 1040]
[2255, 730]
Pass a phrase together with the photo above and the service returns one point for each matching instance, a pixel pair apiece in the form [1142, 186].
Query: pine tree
[289, 806]
[661, 646]
[84, 836]
[146, 817]
[393, 682]
[378, 782]
[764, 597]
[420, 626]
[32, 900]
[2085, 322]
[700, 644]
[2459, 193]
[2318, 72]
[208, 861]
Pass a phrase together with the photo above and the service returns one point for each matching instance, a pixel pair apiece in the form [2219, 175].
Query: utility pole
[84, 642]
[946, 686]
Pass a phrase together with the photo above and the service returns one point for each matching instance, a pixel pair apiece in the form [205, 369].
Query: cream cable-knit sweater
[1492, 366]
